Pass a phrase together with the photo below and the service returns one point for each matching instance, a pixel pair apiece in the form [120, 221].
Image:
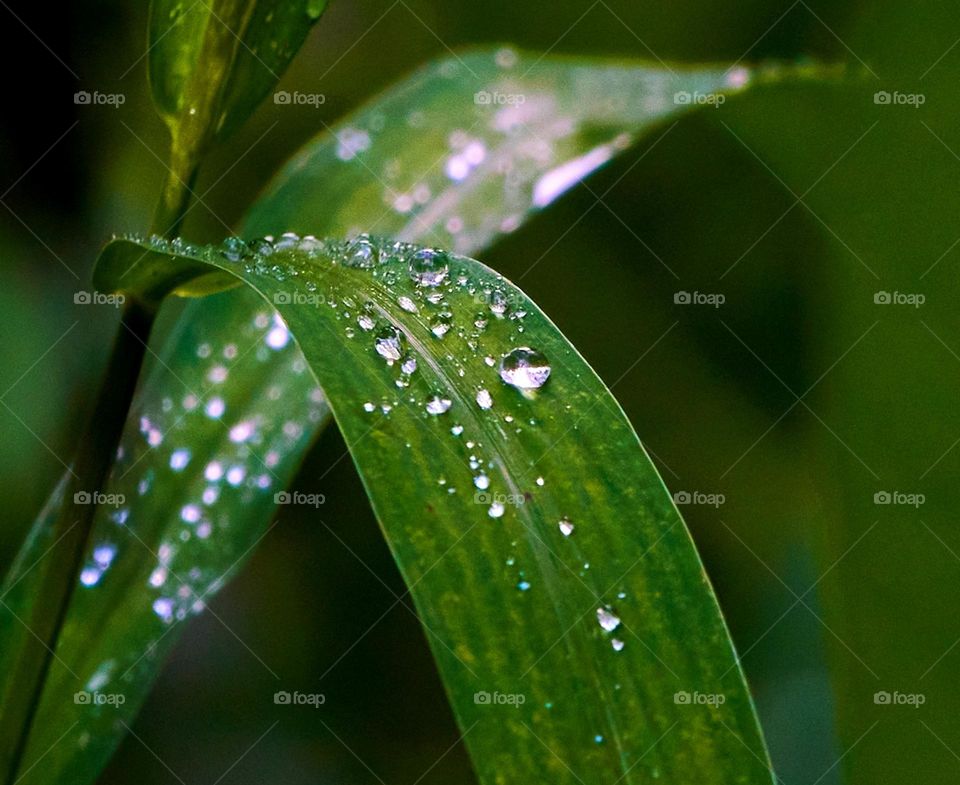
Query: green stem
[71, 531]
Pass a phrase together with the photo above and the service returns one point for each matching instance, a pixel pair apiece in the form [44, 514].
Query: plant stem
[71, 531]
[75, 516]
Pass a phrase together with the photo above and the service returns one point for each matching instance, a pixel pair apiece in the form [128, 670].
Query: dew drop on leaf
[609, 621]
[437, 404]
[566, 527]
[428, 267]
[525, 368]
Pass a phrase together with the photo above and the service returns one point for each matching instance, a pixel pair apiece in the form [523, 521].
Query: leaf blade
[512, 605]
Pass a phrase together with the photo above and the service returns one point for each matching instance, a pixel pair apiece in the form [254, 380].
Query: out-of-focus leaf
[211, 62]
[573, 625]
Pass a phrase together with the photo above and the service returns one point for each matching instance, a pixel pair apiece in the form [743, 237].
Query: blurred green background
[798, 204]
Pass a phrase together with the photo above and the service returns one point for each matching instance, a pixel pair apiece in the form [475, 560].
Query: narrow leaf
[574, 627]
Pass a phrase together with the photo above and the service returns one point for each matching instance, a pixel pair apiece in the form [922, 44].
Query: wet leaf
[572, 622]
[332, 188]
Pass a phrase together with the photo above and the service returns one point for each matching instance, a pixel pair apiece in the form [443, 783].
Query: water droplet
[496, 510]
[456, 430]
[484, 399]
[617, 644]
[482, 481]
[598, 739]
[409, 365]
[441, 323]
[437, 404]
[179, 459]
[369, 406]
[540, 481]
[389, 342]
[609, 621]
[429, 267]
[566, 527]
[523, 585]
[407, 304]
[525, 368]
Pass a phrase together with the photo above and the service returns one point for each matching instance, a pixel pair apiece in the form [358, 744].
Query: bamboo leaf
[572, 622]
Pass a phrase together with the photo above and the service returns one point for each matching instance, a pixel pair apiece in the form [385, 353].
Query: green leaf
[544, 554]
[211, 62]
[334, 201]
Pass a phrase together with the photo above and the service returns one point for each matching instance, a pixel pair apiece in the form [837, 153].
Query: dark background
[880, 210]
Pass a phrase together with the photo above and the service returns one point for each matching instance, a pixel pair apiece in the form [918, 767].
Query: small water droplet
[484, 399]
[482, 481]
[523, 585]
[389, 343]
[609, 621]
[437, 404]
[617, 644]
[566, 527]
[496, 510]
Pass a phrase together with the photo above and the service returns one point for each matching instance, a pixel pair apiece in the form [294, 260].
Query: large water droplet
[429, 267]
[525, 368]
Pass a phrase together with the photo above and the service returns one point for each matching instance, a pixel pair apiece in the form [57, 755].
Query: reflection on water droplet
[525, 368]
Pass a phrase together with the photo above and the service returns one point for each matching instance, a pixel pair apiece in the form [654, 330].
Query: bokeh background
[798, 400]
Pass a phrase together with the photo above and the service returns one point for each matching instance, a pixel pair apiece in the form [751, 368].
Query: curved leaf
[544, 554]
[331, 193]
